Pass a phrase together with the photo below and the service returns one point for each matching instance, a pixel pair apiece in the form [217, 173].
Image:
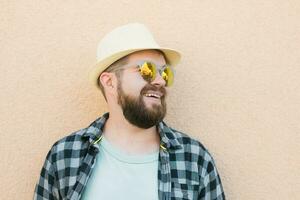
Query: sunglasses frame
[160, 71]
[139, 66]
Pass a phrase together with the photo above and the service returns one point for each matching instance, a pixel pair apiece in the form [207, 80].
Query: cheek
[133, 83]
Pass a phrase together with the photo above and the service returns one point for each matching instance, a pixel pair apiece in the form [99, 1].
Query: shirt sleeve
[46, 187]
[212, 186]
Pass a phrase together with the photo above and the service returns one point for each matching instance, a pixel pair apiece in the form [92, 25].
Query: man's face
[135, 97]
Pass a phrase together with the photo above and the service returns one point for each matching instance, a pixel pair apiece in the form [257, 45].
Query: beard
[137, 113]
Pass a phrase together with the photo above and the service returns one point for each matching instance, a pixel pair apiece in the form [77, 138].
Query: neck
[132, 139]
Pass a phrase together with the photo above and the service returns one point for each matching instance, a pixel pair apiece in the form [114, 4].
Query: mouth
[153, 95]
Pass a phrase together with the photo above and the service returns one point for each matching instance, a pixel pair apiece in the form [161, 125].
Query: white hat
[125, 40]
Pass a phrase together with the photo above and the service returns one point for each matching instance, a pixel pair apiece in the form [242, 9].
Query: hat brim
[172, 56]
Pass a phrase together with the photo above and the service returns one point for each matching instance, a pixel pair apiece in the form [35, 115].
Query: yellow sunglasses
[149, 70]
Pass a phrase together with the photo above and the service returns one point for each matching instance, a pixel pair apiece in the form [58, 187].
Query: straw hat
[125, 40]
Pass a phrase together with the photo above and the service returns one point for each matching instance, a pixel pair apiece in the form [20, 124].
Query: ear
[108, 80]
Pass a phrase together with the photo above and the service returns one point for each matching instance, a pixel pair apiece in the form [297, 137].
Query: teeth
[152, 95]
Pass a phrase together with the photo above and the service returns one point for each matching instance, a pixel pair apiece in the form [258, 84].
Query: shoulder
[70, 141]
[80, 138]
[189, 143]
[68, 147]
[194, 151]
[197, 158]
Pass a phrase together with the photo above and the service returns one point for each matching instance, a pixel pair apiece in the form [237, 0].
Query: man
[129, 152]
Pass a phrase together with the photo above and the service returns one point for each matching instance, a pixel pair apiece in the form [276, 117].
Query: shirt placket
[85, 172]
[164, 184]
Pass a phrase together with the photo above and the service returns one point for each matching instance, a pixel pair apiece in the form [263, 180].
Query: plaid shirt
[186, 169]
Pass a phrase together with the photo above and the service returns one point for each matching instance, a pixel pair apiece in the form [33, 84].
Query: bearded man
[130, 152]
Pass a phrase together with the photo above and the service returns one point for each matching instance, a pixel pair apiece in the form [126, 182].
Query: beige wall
[237, 88]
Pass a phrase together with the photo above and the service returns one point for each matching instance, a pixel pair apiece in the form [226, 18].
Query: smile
[157, 96]
[153, 94]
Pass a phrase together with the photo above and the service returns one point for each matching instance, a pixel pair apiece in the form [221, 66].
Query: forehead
[154, 56]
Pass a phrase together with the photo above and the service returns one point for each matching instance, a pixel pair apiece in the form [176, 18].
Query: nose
[159, 81]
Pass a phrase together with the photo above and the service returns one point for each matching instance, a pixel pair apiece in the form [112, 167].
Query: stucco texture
[237, 88]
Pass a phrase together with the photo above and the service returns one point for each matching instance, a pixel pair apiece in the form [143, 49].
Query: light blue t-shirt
[118, 176]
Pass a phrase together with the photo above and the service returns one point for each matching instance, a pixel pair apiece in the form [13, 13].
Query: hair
[111, 68]
[116, 65]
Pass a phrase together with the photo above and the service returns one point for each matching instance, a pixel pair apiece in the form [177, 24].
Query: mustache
[148, 87]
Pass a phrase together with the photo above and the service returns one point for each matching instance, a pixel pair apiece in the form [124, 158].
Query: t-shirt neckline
[125, 157]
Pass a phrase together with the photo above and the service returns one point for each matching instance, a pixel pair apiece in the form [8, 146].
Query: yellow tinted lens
[168, 76]
[148, 71]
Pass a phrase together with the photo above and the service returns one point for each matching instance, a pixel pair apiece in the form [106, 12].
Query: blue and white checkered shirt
[186, 169]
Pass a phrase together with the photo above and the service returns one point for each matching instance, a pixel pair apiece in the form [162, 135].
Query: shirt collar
[167, 136]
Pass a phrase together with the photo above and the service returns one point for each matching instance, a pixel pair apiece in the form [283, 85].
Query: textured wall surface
[237, 88]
